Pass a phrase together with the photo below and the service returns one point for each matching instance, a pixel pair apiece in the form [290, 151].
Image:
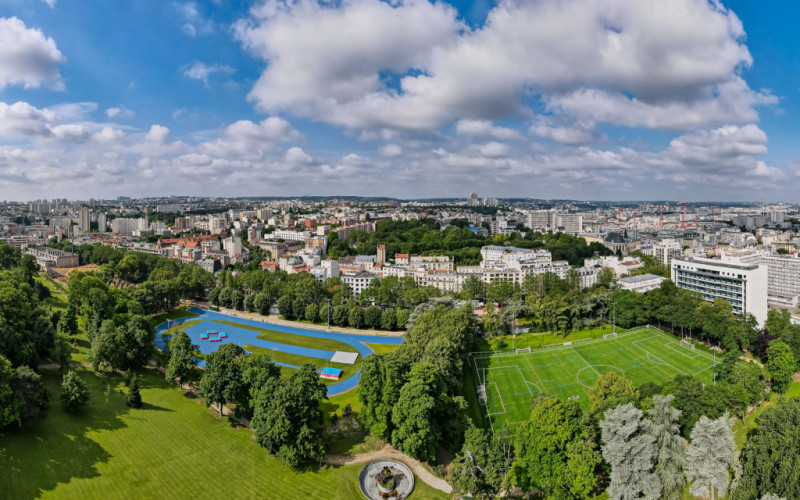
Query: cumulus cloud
[120, 112]
[202, 71]
[577, 133]
[27, 57]
[486, 128]
[672, 65]
[195, 23]
[390, 150]
[247, 139]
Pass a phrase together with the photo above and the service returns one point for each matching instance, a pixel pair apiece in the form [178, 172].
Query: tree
[312, 313]
[355, 317]
[134, 397]
[61, 352]
[29, 393]
[610, 391]
[222, 378]
[339, 316]
[415, 429]
[389, 319]
[287, 416]
[771, 458]
[182, 365]
[669, 447]
[372, 317]
[285, 307]
[555, 452]
[9, 409]
[68, 323]
[477, 470]
[257, 370]
[711, 453]
[402, 318]
[780, 365]
[382, 378]
[630, 451]
[74, 392]
[262, 303]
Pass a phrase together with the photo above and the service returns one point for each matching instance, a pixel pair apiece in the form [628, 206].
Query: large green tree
[478, 469]
[182, 364]
[555, 452]
[74, 392]
[771, 459]
[780, 365]
[222, 378]
[416, 430]
[610, 391]
[9, 409]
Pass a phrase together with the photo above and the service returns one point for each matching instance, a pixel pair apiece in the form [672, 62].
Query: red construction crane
[619, 217]
[712, 212]
[661, 223]
[634, 218]
[682, 225]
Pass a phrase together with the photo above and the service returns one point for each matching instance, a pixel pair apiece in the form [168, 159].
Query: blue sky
[605, 99]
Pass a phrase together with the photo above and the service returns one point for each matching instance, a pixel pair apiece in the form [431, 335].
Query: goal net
[686, 343]
[523, 349]
[609, 335]
[482, 394]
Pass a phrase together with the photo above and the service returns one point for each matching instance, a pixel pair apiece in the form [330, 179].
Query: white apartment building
[743, 285]
[359, 282]
[783, 279]
[158, 227]
[570, 223]
[289, 235]
[217, 224]
[666, 250]
[126, 225]
[102, 223]
[232, 245]
[540, 219]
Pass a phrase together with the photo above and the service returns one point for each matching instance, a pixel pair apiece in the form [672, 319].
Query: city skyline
[691, 100]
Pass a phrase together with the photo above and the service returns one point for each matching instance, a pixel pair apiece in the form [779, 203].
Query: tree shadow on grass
[57, 449]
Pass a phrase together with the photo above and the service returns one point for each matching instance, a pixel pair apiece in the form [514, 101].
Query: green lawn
[643, 355]
[382, 348]
[298, 360]
[292, 339]
[538, 339]
[162, 318]
[172, 448]
[57, 301]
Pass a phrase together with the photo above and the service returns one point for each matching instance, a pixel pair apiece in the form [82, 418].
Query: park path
[276, 320]
[389, 452]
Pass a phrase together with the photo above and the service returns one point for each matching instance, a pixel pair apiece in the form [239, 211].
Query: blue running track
[242, 336]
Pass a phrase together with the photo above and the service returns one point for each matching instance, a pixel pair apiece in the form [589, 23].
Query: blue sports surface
[242, 336]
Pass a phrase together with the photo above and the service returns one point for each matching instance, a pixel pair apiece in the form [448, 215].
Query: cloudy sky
[587, 99]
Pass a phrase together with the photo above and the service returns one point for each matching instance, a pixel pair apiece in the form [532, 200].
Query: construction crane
[619, 217]
[682, 225]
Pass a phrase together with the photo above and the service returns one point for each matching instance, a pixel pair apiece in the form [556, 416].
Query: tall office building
[85, 220]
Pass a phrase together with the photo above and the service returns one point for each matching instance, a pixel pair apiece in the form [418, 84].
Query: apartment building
[743, 285]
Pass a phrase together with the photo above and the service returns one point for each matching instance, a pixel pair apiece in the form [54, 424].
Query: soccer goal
[609, 335]
[482, 394]
[686, 343]
[523, 350]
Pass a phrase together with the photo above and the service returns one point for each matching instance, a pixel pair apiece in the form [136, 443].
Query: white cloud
[202, 71]
[120, 112]
[486, 128]
[676, 63]
[247, 139]
[577, 133]
[50, 3]
[27, 57]
[157, 134]
[108, 135]
[194, 22]
[390, 150]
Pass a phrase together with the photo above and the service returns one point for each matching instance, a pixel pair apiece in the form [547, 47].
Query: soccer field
[507, 381]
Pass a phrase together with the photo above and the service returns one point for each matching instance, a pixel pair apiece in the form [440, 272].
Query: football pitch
[507, 381]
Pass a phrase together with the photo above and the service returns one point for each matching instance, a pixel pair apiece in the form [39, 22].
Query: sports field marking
[584, 360]
[525, 380]
[500, 397]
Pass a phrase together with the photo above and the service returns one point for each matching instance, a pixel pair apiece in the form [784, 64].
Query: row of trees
[411, 396]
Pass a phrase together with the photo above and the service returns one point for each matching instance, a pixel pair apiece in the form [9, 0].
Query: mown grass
[177, 314]
[382, 348]
[293, 339]
[538, 339]
[171, 448]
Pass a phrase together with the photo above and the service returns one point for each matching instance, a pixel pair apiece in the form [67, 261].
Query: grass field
[172, 448]
[511, 380]
[298, 360]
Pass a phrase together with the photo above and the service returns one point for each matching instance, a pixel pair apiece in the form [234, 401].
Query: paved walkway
[389, 452]
[277, 320]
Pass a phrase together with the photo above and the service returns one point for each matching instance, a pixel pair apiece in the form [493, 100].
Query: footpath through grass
[172, 448]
